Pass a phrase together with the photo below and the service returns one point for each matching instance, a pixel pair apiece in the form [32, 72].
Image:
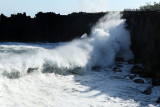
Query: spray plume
[108, 40]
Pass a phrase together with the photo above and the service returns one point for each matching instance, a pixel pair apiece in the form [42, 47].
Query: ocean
[76, 73]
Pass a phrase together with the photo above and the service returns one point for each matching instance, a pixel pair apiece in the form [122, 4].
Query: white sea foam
[94, 89]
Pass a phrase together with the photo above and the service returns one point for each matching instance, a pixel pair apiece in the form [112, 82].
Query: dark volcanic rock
[117, 69]
[137, 69]
[119, 59]
[96, 68]
[131, 77]
[139, 81]
[12, 75]
[158, 101]
[156, 82]
[148, 91]
[145, 39]
[46, 27]
[30, 70]
[119, 65]
[131, 61]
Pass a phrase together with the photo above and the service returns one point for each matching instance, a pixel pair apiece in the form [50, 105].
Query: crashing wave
[107, 40]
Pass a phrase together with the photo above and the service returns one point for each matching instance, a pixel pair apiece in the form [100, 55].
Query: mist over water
[108, 40]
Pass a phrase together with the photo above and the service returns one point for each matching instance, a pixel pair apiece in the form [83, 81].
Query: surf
[108, 39]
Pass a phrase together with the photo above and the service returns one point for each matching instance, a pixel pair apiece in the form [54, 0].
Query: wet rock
[137, 69]
[131, 61]
[30, 70]
[158, 101]
[156, 82]
[148, 91]
[117, 69]
[141, 81]
[119, 65]
[12, 75]
[96, 68]
[145, 46]
[126, 76]
[119, 59]
[131, 77]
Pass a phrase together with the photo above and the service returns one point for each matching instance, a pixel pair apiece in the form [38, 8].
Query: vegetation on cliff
[147, 7]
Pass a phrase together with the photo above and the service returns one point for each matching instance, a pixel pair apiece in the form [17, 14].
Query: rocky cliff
[46, 27]
[144, 27]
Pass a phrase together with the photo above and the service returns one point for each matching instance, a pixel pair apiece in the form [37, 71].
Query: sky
[31, 7]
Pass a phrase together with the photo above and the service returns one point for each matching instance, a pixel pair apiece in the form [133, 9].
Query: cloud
[92, 5]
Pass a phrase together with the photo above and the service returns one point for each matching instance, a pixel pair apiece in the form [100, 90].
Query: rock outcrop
[144, 27]
[158, 101]
[46, 27]
[140, 81]
[148, 91]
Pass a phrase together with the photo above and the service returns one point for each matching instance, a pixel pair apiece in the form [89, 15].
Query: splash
[108, 40]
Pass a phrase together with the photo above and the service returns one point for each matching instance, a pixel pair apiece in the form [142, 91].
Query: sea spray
[110, 40]
[107, 40]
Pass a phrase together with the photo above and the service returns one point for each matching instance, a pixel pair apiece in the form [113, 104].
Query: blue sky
[31, 7]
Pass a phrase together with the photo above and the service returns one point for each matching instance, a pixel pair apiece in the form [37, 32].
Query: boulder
[137, 69]
[117, 69]
[96, 68]
[131, 61]
[12, 75]
[131, 77]
[156, 82]
[119, 59]
[140, 81]
[158, 101]
[30, 70]
[148, 91]
[119, 65]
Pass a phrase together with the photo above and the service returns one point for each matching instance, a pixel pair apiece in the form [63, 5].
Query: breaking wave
[108, 40]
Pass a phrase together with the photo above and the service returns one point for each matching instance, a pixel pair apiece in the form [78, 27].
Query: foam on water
[94, 89]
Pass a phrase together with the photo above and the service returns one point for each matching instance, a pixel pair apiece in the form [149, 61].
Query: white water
[104, 88]
[41, 87]
[107, 40]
